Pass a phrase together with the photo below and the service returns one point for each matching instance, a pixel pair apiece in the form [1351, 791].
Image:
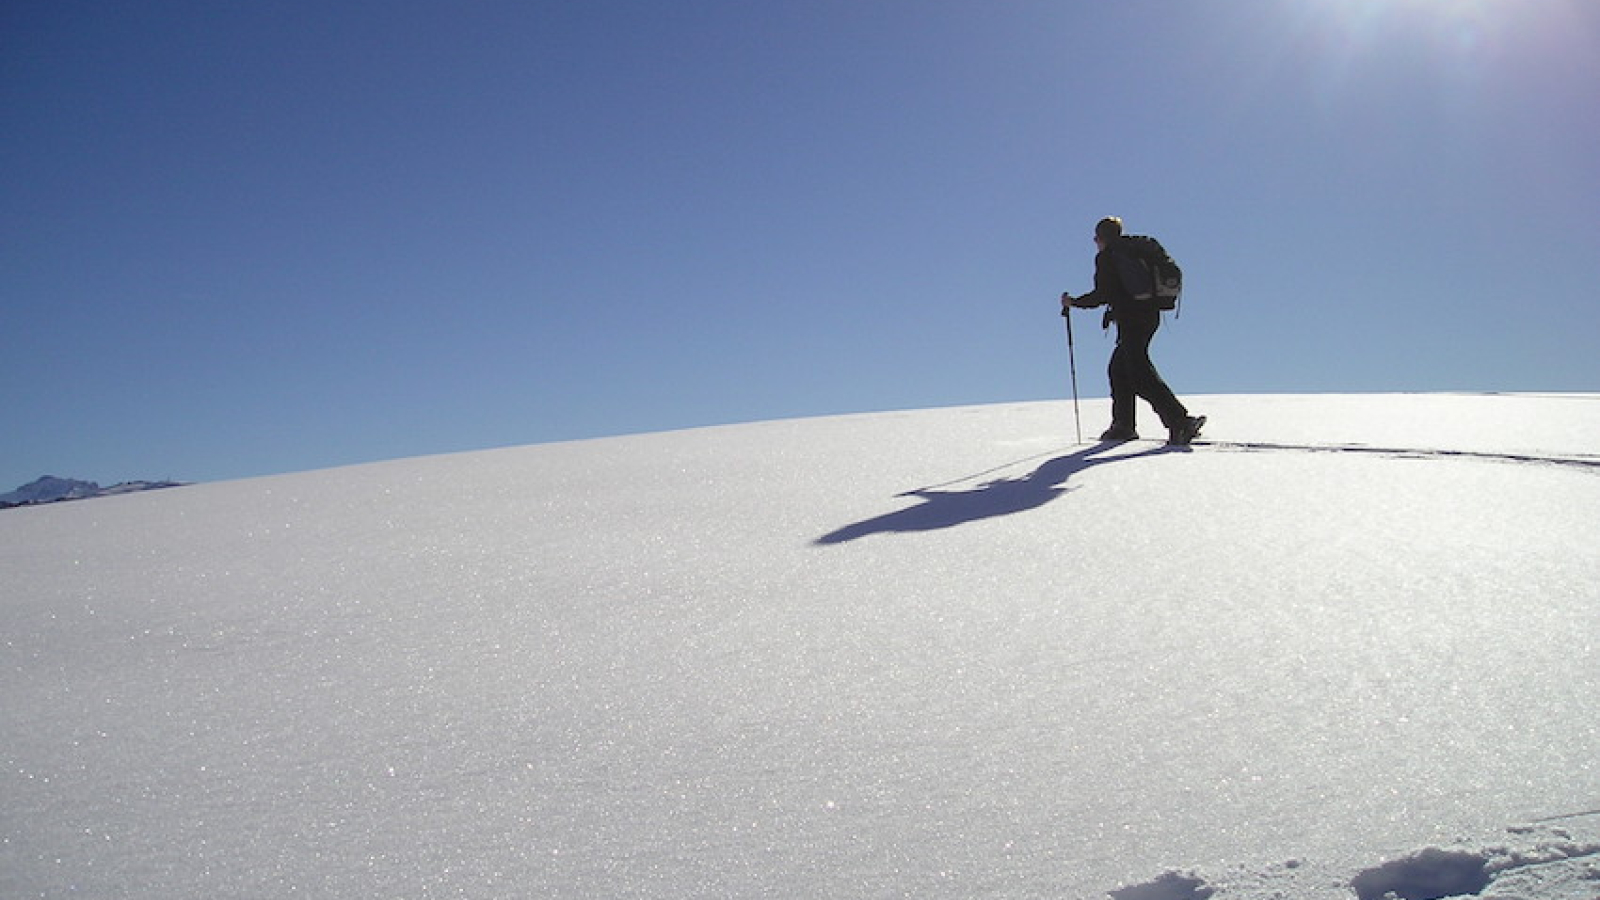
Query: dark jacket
[1111, 271]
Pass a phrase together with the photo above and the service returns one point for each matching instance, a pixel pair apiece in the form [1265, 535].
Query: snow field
[1348, 648]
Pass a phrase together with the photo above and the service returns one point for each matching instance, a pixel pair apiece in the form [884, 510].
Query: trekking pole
[1072, 366]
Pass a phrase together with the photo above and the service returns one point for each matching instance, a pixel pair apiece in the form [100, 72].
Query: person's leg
[1140, 376]
[1160, 397]
[1124, 391]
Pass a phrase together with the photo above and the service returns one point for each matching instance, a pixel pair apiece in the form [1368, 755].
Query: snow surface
[1350, 648]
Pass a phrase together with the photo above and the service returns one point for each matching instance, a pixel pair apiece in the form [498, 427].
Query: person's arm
[1106, 285]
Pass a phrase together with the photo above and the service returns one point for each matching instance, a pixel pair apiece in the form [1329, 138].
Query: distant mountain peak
[51, 489]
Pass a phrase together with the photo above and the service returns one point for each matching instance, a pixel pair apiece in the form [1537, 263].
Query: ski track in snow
[1590, 462]
[1579, 461]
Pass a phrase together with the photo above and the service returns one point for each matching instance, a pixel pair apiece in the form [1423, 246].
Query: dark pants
[1133, 375]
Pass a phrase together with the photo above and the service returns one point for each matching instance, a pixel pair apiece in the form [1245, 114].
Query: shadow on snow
[942, 508]
[1002, 497]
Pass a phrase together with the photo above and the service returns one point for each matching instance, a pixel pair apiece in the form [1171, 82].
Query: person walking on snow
[1132, 373]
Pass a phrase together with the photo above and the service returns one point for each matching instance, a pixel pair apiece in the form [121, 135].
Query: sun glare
[1465, 19]
[1455, 43]
[1458, 38]
[1469, 21]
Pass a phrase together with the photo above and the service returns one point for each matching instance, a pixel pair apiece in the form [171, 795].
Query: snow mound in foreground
[1540, 863]
[1332, 653]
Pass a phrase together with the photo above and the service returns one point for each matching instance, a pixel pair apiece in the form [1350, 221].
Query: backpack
[1147, 271]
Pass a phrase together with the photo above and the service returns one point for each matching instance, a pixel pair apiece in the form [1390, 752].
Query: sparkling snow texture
[1350, 649]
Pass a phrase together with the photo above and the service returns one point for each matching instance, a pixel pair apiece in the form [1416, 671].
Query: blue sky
[241, 239]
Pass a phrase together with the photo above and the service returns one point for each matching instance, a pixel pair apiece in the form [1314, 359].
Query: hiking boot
[1184, 435]
[1120, 433]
